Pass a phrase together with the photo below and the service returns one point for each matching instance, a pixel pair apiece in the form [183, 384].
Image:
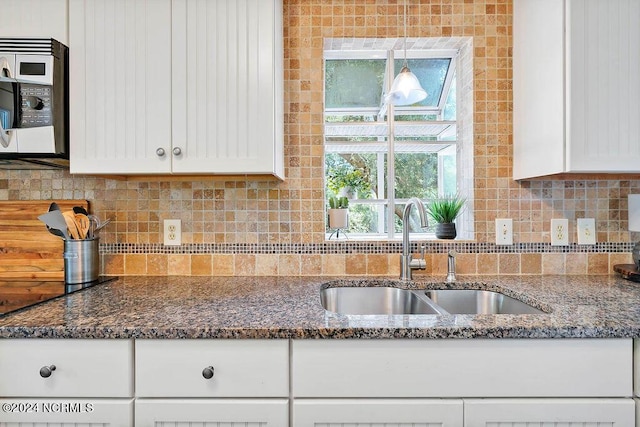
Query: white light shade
[406, 89]
[634, 212]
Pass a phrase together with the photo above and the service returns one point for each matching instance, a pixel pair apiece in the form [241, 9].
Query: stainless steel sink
[387, 300]
[471, 301]
[374, 300]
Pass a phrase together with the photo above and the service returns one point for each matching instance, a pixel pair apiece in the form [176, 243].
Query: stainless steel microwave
[34, 103]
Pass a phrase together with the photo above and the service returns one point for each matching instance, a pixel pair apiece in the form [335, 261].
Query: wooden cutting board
[27, 249]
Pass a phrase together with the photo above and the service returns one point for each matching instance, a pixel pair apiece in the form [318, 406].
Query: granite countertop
[289, 307]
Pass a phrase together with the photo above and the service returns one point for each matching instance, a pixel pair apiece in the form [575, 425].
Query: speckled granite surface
[289, 307]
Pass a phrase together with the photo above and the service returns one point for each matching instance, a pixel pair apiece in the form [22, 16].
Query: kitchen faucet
[407, 262]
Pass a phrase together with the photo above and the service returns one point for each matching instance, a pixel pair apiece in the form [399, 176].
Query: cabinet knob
[177, 151]
[207, 372]
[46, 371]
[160, 152]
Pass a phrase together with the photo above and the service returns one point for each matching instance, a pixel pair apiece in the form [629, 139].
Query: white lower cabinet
[318, 383]
[470, 383]
[549, 412]
[212, 368]
[70, 383]
[66, 368]
[377, 413]
[464, 412]
[212, 383]
[462, 368]
[212, 412]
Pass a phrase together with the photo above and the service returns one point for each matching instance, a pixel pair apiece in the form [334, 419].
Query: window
[379, 156]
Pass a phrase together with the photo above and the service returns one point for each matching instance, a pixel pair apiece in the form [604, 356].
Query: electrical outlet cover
[504, 231]
[172, 232]
[586, 231]
[559, 232]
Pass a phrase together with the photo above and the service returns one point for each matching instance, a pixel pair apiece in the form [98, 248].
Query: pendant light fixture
[406, 89]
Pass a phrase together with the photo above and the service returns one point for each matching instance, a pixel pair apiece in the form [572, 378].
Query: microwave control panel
[37, 108]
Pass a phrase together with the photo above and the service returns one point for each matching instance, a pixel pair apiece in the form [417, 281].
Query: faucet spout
[407, 263]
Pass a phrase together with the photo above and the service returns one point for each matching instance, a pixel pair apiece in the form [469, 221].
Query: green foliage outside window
[415, 176]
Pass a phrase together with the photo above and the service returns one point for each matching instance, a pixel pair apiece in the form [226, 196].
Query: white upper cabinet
[227, 86]
[576, 87]
[177, 87]
[35, 19]
[120, 86]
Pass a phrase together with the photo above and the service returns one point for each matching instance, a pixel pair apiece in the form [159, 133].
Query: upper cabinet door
[120, 86]
[35, 19]
[227, 86]
[603, 94]
[576, 87]
[538, 88]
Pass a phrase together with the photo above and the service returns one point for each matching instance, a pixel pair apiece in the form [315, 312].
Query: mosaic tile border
[344, 247]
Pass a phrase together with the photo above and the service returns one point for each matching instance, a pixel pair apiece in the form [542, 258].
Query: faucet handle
[451, 266]
[419, 263]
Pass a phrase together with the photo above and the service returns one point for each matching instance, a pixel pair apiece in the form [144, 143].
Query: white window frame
[390, 56]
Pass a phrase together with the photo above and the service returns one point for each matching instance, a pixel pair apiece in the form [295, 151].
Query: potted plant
[338, 212]
[348, 183]
[444, 211]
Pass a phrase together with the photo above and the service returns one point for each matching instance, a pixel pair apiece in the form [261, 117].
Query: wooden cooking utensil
[83, 224]
[69, 218]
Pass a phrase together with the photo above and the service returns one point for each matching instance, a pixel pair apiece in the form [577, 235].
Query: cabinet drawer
[240, 368]
[385, 412]
[540, 412]
[83, 368]
[462, 368]
[212, 412]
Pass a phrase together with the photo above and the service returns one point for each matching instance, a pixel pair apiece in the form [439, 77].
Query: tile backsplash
[242, 227]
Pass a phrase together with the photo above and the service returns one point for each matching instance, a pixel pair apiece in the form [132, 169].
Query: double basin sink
[386, 300]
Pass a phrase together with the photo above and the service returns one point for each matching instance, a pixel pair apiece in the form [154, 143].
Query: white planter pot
[348, 192]
[338, 218]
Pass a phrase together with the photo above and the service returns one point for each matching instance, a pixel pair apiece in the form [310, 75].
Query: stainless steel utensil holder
[81, 261]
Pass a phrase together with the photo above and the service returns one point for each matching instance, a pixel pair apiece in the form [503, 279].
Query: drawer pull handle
[207, 372]
[160, 152]
[177, 151]
[46, 371]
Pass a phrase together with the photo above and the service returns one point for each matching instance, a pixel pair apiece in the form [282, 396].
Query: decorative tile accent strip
[341, 248]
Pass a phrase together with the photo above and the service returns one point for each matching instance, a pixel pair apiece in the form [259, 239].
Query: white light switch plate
[586, 231]
[172, 232]
[559, 232]
[504, 231]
